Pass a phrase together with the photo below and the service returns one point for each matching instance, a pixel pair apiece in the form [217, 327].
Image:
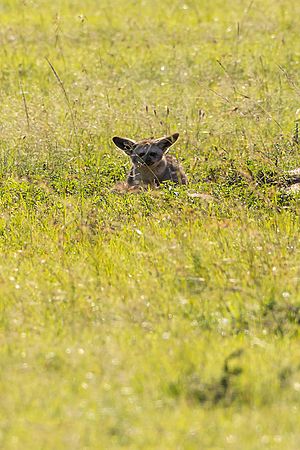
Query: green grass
[158, 320]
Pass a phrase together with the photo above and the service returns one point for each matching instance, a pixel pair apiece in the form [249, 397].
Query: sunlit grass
[170, 318]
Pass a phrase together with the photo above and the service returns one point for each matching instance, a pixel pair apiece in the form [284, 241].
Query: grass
[158, 320]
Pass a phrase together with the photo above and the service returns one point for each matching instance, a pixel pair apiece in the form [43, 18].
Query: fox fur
[150, 164]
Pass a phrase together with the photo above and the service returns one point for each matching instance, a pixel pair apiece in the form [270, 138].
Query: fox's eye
[152, 153]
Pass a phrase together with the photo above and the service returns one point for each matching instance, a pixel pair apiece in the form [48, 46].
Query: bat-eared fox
[150, 163]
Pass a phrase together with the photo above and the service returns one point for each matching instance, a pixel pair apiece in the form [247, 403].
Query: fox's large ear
[166, 142]
[124, 144]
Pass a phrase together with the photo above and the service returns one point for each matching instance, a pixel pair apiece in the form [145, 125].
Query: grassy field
[167, 319]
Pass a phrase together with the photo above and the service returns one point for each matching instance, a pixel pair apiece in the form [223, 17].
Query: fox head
[147, 152]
